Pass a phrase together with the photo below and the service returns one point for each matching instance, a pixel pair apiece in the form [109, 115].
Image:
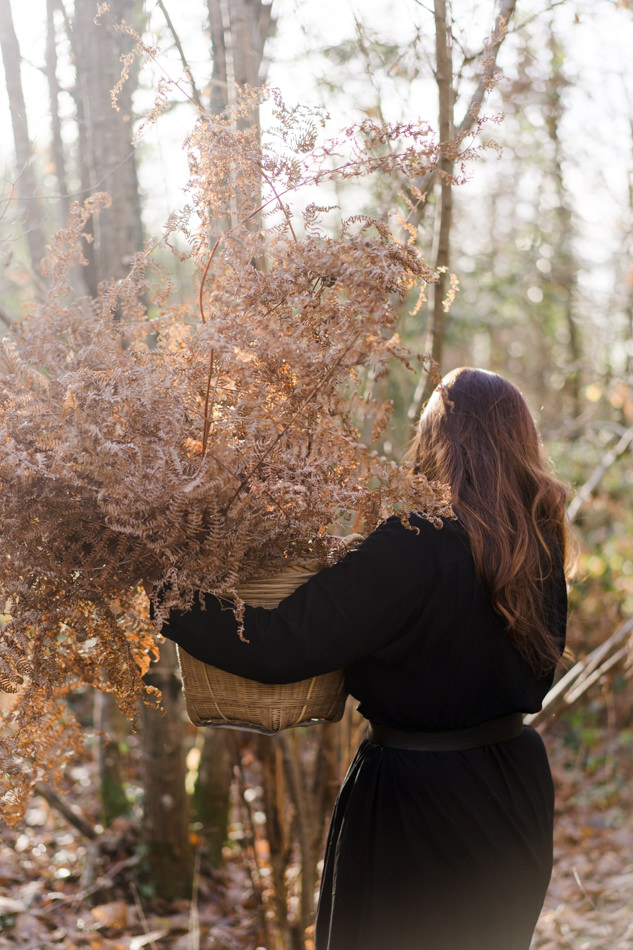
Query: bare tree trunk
[219, 96]
[307, 821]
[58, 152]
[564, 273]
[26, 184]
[107, 156]
[279, 821]
[239, 30]
[486, 78]
[166, 826]
[629, 277]
[57, 147]
[251, 25]
[444, 80]
[211, 796]
[113, 729]
[312, 792]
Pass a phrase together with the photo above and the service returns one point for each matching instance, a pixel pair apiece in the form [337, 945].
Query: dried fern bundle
[199, 444]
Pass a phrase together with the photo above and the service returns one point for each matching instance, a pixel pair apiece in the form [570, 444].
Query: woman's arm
[342, 614]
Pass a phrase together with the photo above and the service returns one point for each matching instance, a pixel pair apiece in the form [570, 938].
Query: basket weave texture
[216, 698]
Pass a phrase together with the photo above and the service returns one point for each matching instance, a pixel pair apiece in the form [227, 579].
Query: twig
[193, 937]
[69, 813]
[141, 914]
[585, 673]
[283, 208]
[104, 882]
[588, 681]
[539, 13]
[207, 398]
[181, 52]
[474, 106]
[205, 273]
[287, 425]
[127, 30]
[594, 479]
[498, 35]
[607, 930]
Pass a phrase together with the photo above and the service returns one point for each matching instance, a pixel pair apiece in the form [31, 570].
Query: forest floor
[59, 891]
[589, 905]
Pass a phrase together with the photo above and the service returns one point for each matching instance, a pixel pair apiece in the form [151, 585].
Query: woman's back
[440, 850]
[451, 663]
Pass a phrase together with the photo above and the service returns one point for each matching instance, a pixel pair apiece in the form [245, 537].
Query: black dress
[426, 850]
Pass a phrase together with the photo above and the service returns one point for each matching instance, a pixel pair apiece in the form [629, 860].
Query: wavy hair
[477, 435]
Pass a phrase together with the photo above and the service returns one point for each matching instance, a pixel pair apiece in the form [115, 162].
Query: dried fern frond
[217, 438]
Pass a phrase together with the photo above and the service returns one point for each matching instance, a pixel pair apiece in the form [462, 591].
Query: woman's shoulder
[441, 530]
[414, 532]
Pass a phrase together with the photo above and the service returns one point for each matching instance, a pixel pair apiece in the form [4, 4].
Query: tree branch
[471, 115]
[194, 90]
[490, 63]
[585, 673]
[596, 476]
[58, 803]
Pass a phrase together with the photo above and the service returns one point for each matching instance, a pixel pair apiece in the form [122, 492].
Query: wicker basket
[216, 698]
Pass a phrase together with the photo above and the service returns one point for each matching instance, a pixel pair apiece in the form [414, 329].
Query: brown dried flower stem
[288, 425]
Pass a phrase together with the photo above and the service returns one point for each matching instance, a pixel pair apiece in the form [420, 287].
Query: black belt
[449, 740]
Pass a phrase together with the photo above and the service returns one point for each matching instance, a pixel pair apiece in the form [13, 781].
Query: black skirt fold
[439, 850]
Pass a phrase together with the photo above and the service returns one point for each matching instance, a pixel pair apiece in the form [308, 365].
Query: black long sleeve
[407, 618]
[342, 614]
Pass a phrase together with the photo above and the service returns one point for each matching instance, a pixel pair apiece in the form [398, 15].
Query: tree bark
[239, 30]
[486, 78]
[628, 310]
[444, 80]
[564, 271]
[166, 824]
[26, 184]
[57, 147]
[107, 157]
[219, 95]
[211, 793]
[113, 730]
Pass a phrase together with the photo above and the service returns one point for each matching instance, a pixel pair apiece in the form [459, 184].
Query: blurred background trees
[530, 229]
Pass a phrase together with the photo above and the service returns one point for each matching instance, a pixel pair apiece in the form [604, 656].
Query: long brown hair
[476, 434]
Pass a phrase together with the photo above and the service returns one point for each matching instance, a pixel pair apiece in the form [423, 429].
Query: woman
[441, 837]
